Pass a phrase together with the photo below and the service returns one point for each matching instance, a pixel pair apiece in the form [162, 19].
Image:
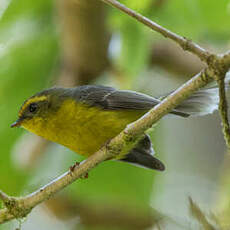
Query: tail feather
[204, 101]
[142, 156]
[144, 160]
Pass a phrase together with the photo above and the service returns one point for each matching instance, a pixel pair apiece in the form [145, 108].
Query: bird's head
[36, 111]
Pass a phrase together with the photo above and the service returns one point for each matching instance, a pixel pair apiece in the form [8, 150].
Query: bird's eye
[33, 107]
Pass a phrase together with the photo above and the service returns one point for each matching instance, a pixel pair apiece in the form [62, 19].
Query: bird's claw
[72, 167]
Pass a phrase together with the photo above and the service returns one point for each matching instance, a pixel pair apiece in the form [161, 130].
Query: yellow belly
[84, 129]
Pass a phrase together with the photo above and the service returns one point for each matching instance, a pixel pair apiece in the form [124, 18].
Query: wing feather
[111, 99]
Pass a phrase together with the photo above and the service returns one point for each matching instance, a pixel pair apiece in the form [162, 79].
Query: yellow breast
[82, 128]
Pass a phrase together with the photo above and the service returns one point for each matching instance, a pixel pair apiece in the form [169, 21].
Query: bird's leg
[72, 167]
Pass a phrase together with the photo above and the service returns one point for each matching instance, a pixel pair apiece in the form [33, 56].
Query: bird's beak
[17, 123]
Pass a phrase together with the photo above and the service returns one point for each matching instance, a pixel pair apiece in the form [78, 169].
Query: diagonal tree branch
[121, 144]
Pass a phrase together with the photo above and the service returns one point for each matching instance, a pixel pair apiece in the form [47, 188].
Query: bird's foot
[72, 167]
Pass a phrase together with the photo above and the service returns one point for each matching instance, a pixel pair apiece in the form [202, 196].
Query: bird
[85, 118]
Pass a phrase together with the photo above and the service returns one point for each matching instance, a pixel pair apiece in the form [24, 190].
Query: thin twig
[223, 109]
[186, 44]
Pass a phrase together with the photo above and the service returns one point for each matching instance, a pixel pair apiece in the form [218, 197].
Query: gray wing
[109, 98]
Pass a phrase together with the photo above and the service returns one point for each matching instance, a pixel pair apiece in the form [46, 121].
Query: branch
[186, 44]
[223, 108]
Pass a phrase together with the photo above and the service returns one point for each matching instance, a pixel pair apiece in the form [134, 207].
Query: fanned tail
[202, 102]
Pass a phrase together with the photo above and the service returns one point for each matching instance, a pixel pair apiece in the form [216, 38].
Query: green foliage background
[29, 60]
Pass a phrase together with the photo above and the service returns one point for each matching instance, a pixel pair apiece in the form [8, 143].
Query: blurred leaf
[26, 8]
[196, 19]
[27, 57]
